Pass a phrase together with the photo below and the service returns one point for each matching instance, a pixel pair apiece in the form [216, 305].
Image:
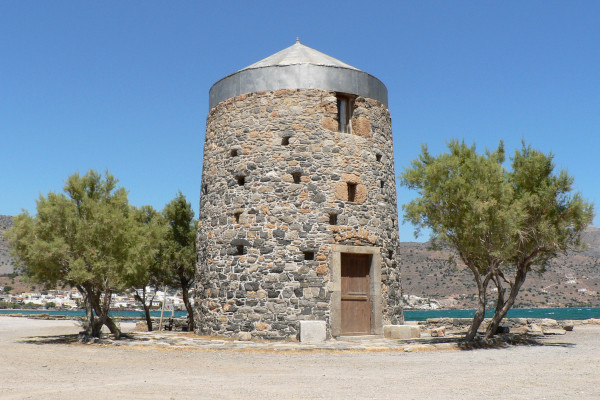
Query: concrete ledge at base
[401, 332]
[313, 331]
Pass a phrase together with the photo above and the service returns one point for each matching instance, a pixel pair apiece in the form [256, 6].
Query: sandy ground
[54, 368]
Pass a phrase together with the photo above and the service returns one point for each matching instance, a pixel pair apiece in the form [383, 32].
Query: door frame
[374, 287]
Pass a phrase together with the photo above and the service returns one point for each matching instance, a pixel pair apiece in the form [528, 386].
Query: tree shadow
[497, 342]
[510, 340]
[74, 339]
[54, 339]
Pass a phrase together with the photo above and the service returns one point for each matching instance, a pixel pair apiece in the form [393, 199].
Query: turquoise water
[554, 313]
[409, 315]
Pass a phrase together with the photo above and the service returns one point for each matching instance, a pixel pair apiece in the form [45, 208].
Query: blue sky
[123, 85]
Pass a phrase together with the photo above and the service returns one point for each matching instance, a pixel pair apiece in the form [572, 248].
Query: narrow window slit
[382, 183]
[344, 114]
[351, 192]
[237, 216]
[296, 176]
[205, 189]
[378, 157]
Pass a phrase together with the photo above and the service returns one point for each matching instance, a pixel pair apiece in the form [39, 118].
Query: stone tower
[298, 217]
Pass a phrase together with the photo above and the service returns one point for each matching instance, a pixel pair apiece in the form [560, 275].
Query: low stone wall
[535, 326]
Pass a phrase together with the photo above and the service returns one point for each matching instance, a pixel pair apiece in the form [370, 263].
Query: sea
[409, 315]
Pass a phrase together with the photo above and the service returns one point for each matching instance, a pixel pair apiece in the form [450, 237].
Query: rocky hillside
[572, 280]
[6, 261]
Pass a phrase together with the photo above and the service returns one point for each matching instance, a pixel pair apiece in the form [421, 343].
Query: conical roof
[298, 67]
[299, 54]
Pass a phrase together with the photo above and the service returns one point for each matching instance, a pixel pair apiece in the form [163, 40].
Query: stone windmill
[298, 219]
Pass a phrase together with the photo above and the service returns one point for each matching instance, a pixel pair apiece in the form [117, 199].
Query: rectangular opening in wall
[382, 183]
[296, 176]
[234, 153]
[344, 104]
[285, 141]
[378, 157]
[241, 180]
[332, 219]
[239, 250]
[237, 216]
[351, 192]
[309, 255]
[205, 189]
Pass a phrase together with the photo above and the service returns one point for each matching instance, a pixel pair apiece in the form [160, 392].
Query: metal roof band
[298, 76]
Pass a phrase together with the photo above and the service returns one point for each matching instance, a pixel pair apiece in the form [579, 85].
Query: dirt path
[562, 367]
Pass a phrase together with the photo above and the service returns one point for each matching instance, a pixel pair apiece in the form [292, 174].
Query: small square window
[378, 157]
[297, 176]
[285, 141]
[241, 180]
[239, 250]
[332, 219]
[309, 255]
[234, 153]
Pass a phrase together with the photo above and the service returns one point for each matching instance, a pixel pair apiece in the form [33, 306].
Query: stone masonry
[274, 201]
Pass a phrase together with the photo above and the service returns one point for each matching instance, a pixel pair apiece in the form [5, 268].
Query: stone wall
[274, 199]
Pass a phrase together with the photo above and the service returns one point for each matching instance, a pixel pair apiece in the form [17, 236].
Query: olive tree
[501, 222]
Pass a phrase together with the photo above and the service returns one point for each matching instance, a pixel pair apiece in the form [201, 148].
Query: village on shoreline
[72, 300]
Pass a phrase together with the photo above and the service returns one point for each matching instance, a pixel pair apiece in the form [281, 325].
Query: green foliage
[8, 289]
[464, 200]
[180, 239]
[76, 238]
[81, 238]
[143, 267]
[498, 220]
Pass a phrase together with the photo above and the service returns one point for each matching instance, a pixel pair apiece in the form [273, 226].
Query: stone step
[359, 338]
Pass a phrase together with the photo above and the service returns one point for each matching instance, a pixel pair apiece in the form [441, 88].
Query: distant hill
[7, 263]
[572, 280]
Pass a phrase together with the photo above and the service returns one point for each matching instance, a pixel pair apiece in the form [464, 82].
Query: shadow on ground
[212, 343]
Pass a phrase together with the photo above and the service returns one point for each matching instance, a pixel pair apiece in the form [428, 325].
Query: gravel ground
[39, 361]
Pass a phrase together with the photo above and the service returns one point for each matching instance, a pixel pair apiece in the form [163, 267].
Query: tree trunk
[102, 309]
[499, 299]
[186, 300]
[478, 318]
[502, 310]
[146, 308]
[88, 323]
[481, 299]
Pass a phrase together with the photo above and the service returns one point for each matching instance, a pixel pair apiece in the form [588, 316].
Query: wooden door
[356, 304]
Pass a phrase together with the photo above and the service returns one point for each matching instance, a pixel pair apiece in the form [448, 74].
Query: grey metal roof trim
[288, 71]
